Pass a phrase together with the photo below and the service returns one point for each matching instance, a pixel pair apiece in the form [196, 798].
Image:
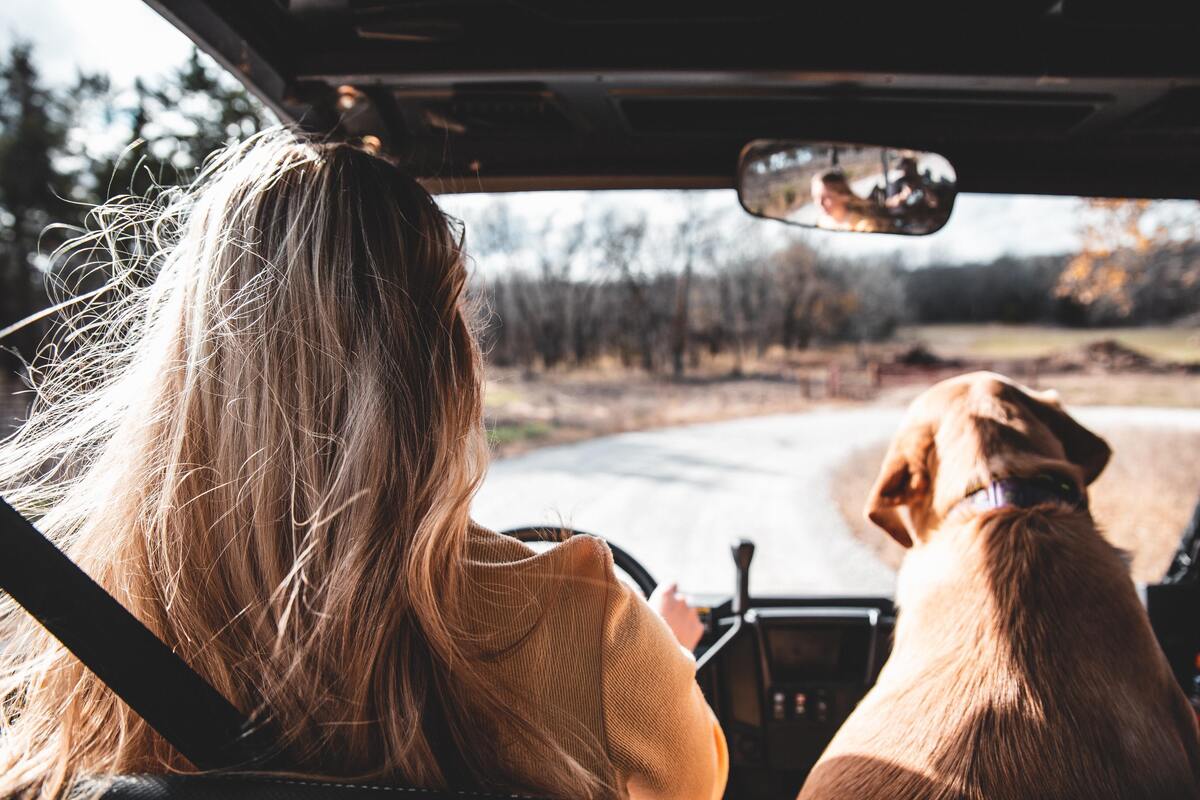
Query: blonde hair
[262, 436]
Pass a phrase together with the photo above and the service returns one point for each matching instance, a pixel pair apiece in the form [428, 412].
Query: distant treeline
[796, 298]
[668, 321]
[1156, 285]
[1010, 289]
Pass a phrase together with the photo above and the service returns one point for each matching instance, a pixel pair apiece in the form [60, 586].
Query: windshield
[671, 373]
[663, 369]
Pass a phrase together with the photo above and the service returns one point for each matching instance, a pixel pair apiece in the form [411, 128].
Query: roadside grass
[503, 435]
[1142, 501]
[571, 404]
[527, 410]
[851, 483]
[499, 397]
[1125, 389]
[1178, 344]
[1169, 390]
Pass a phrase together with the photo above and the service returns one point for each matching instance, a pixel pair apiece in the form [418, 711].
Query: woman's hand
[681, 618]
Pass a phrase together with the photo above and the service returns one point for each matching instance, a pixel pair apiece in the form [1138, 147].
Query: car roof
[1068, 97]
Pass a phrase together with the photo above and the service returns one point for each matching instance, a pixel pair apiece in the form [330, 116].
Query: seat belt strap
[123, 653]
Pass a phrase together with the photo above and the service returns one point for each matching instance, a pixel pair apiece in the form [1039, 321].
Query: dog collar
[1022, 493]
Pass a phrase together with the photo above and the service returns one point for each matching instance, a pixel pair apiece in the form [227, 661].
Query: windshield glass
[665, 370]
[671, 373]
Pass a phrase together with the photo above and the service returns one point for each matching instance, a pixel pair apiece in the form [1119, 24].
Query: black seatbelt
[139, 668]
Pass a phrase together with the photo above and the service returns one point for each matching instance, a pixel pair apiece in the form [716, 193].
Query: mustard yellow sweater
[600, 671]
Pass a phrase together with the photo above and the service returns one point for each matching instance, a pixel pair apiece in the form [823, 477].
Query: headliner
[1074, 97]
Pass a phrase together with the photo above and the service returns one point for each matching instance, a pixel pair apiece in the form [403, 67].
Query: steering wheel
[640, 576]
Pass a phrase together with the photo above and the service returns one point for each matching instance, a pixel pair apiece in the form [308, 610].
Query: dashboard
[783, 676]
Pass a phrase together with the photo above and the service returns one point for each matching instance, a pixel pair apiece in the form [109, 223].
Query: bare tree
[693, 242]
[801, 285]
[620, 244]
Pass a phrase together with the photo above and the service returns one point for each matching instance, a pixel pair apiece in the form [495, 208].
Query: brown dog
[1024, 665]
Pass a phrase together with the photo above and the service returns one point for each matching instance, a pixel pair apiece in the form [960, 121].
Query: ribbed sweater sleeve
[662, 737]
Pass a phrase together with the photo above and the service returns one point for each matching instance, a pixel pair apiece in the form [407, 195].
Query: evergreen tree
[52, 169]
[175, 123]
[33, 188]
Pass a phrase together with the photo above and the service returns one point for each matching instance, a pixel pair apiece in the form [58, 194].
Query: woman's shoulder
[508, 582]
[580, 558]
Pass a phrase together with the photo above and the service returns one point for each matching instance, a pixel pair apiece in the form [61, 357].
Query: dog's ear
[903, 479]
[1083, 448]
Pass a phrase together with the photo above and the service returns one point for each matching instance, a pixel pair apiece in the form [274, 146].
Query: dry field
[1098, 388]
[1169, 343]
[1142, 500]
[1141, 366]
[526, 411]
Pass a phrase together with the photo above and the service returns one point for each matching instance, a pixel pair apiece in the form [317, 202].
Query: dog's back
[1024, 667]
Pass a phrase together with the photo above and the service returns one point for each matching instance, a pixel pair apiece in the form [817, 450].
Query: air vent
[510, 110]
[419, 31]
[1178, 112]
[661, 11]
[797, 116]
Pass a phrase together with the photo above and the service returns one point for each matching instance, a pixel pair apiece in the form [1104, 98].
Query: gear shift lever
[743, 553]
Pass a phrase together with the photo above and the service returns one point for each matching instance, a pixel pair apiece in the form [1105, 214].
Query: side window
[96, 100]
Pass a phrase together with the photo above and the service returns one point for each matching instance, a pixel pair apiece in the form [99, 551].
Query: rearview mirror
[847, 187]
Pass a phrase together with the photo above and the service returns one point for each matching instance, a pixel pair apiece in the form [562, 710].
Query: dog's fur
[1024, 665]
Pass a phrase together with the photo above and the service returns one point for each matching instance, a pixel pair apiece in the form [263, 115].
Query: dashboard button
[822, 708]
[800, 705]
[779, 705]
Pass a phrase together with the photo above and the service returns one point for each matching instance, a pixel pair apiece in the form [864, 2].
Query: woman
[264, 443]
[840, 209]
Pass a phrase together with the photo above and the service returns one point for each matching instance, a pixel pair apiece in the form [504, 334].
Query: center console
[783, 674]
[816, 665]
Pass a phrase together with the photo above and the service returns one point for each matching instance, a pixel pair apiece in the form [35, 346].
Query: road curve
[674, 497]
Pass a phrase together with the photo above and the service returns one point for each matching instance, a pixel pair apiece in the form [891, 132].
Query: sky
[981, 227]
[126, 39]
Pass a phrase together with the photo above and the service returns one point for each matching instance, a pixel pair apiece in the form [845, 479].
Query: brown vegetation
[528, 410]
[1132, 266]
[535, 408]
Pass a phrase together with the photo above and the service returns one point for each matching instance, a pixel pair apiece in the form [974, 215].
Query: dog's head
[965, 432]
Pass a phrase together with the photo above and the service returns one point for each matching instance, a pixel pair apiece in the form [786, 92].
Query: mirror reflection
[847, 187]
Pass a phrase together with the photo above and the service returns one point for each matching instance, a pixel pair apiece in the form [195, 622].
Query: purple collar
[1022, 493]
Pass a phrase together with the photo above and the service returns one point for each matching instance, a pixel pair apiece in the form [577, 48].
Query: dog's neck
[1021, 493]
